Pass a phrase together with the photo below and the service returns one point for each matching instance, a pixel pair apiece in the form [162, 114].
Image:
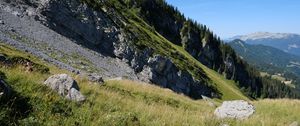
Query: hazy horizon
[235, 17]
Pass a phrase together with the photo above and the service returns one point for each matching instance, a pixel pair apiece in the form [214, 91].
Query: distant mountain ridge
[287, 42]
[268, 59]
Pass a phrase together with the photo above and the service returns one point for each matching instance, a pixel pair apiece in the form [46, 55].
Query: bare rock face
[238, 109]
[86, 24]
[65, 86]
[100, 31]
[163, 72]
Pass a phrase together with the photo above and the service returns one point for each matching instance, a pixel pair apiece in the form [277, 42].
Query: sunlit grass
[125, 102]
[132, 103]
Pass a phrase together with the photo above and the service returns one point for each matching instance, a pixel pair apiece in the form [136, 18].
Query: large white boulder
[65, 86]
[238, 109]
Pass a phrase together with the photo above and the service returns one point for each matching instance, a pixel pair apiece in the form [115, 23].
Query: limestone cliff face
[102, 30]
[198, 41]
[194, 38]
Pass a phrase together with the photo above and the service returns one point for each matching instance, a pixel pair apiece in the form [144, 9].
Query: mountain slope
[108, 36]
[204, 46]
[260, 55]
[136, 95]
[121, 102]
[116, 38]
[289, 43]
[269, 59]
[152, 58]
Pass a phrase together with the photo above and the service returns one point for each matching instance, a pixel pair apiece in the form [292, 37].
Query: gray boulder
[95, 78]
[238, 109]
[65, 86]
[295, 123]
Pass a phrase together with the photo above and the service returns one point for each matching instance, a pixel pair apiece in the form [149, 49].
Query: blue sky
[228, 18]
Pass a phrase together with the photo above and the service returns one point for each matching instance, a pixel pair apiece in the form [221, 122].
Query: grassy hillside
[148, 37]
[138, 20]
[123, 103]
[227, 88]
[181, 58]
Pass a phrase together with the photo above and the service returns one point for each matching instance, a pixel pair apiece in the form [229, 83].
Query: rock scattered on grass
[295, 123]
[95, 78]
[65, 86]
[238, 109]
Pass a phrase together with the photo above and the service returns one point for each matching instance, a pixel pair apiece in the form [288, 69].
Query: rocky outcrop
[102, 31]
[65, 86]
[229, 67]
[153, 69]
[203, 50]
[238, 109]
[201, 43]
[82, 22]
[32, 36]
[162, 71]
[159, 70]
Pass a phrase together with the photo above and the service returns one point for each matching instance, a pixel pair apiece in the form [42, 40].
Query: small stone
[29, 67]
[12, 30]
[95, 78]
[1, 22]
[83, 67]
[30, 12]
[16, 13]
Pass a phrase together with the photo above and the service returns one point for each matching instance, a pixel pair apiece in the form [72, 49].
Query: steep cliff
[108, 32]
[202, 44]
